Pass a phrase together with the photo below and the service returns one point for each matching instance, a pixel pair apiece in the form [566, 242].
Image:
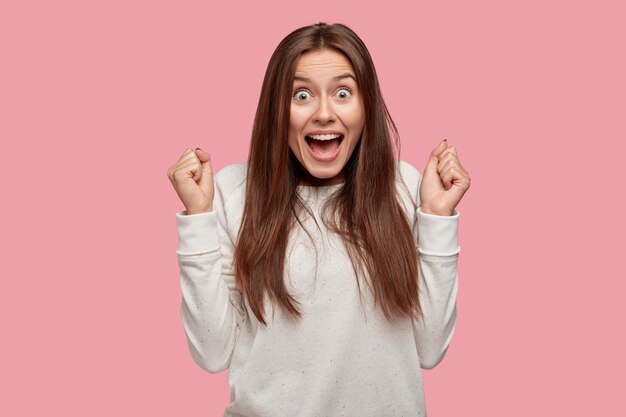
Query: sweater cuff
[438, 235]
[197, 233]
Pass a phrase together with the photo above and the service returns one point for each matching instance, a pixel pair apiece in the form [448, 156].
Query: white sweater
[340, 359]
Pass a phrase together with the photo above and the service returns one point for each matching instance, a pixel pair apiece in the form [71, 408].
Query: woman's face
[327, 114]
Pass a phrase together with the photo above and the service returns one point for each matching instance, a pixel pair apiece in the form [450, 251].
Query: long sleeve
[436, 239]
[438, 253]
[211, 309]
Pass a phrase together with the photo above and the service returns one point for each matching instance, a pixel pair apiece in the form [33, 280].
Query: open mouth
[324, 145]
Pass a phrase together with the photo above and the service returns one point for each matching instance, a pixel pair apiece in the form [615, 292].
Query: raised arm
[211, 310]
[444, 183]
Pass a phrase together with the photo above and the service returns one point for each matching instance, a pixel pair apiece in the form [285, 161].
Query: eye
[301, 95]
[344, 93]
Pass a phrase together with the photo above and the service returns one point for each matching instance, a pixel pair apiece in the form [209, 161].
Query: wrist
[192, 211]
[429, 210]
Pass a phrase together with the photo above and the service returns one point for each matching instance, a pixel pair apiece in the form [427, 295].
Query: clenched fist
[444, 181]
[192, 178]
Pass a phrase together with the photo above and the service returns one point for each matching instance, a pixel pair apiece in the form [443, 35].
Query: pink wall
[97, 101]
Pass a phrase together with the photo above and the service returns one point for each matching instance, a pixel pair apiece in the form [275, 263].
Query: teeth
[327, 136]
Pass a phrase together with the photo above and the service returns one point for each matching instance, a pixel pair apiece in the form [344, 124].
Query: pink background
[99, 99]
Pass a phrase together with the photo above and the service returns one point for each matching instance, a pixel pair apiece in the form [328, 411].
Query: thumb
[206, 180]
[433, 160]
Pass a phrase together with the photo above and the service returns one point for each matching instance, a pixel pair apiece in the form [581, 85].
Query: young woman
[323, 271]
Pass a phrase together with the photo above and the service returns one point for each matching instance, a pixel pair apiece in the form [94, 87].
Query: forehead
[323, 62]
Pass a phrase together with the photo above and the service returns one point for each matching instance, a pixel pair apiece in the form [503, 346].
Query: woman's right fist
[192, 178]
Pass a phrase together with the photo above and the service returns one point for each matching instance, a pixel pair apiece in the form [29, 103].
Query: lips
[324, 145]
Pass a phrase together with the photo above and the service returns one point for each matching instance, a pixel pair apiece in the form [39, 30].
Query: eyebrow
[337, 78]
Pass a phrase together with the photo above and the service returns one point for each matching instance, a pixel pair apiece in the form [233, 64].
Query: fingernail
[445, 140]
[198, 149]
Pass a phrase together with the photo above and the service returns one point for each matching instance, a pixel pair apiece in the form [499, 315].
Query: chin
[324, 174]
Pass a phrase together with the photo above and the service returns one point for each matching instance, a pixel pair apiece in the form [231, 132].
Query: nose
[324, 112]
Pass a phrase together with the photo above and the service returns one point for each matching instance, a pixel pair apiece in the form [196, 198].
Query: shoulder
[232, 172]
[408, 184]
[410, 175]
[230, 179]
[408, 171]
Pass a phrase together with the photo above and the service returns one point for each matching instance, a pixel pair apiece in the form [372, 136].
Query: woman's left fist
[444, 181]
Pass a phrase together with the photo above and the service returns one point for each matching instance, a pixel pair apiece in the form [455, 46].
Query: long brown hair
[369, 213]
